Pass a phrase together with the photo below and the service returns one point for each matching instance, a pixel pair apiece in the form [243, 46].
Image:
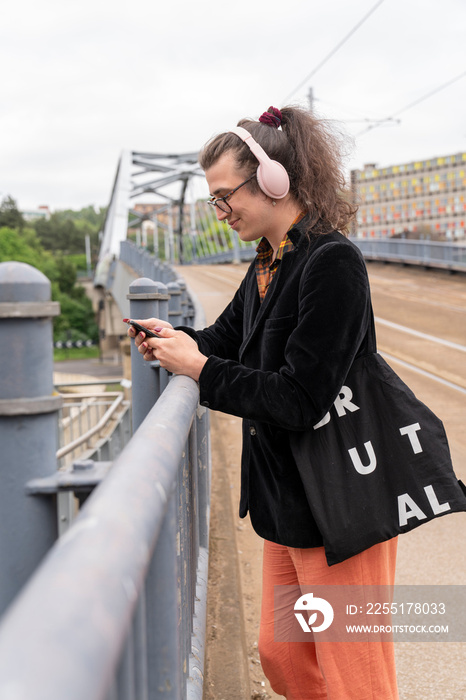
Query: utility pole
[310, 97]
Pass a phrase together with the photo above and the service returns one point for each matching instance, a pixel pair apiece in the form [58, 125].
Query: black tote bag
[377, 465]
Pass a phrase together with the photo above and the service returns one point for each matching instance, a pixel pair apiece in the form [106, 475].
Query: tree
[24, 247]
[89, 214]
[59, 234]
[10, 215]
[66, 231]
[77, 318]
[67, 275]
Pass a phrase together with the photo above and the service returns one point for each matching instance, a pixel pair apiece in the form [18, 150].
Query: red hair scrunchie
[273, 117]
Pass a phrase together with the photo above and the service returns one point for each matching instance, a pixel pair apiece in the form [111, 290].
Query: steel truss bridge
[160, 202]
[158, 208]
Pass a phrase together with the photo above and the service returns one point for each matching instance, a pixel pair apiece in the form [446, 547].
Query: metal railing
[450, 256]
[116, 608]
[110, 612]
[85, 419]
[200, 248]
[91, 426]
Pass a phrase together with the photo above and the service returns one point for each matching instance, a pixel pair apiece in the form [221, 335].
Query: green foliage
[24, 247]
[9, 214]
[79, 261]
[57, 248]
[86, 214]
[66, 275]
[56, 235]
[60, 354]
[66, 231]
[77, 319]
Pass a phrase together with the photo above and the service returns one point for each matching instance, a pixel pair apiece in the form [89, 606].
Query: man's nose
[221, 215]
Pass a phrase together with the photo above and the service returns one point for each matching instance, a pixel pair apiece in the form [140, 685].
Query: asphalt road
[422, 328]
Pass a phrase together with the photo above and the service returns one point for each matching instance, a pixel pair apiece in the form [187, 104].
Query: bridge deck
[430, 302]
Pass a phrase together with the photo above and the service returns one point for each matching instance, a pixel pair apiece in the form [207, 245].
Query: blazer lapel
[260, 312]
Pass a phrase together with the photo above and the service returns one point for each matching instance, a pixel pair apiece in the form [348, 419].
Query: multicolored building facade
[422, 199]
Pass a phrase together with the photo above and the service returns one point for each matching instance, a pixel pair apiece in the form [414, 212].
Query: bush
[77, 318]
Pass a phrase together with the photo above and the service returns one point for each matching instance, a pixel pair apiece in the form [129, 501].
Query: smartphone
[138, 327]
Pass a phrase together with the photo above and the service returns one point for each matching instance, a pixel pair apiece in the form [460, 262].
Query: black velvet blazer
[280, 365]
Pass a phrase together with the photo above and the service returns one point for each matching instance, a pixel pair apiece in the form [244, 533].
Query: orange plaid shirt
[265, 266]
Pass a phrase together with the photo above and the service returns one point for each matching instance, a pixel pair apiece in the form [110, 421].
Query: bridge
[421, 329]
[150, 632]
[158, 214]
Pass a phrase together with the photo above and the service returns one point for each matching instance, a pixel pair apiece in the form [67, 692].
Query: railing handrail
[414, 251]
[66, 449]
[89, 382]
[436, 254]
[85, 583]
[413, 241]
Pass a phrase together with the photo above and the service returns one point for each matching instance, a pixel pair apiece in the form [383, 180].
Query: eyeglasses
[221, 202]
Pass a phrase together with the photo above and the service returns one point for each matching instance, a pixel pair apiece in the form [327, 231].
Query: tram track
[423, 372]
[437, 359]
[419, 334]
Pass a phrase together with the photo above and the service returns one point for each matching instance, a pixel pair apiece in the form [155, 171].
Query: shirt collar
[264, 249]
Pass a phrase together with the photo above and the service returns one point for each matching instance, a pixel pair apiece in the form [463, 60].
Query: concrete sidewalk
[91, 368]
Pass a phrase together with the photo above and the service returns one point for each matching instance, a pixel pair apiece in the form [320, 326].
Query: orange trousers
[314, 670]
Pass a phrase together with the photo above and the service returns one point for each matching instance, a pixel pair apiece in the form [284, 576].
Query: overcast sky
[81, 81]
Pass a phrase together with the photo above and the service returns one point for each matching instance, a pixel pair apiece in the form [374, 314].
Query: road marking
[424, 373]
[418, 334]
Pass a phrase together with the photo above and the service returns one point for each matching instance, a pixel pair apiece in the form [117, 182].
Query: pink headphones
[271, 175]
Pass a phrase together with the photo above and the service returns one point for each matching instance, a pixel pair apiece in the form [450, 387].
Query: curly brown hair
[311, 152]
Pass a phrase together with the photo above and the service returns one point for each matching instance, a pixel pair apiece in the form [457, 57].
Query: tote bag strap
[371, 337]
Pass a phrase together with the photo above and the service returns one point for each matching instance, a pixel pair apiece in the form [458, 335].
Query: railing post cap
[22, 282]
[174, 288]
[144, 285]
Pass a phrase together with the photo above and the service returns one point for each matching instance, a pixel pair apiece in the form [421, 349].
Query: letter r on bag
[342, 404]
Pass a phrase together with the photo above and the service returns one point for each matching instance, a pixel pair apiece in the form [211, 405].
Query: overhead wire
[412, 104]
[345, 108]
[376, 122]
[333, 51]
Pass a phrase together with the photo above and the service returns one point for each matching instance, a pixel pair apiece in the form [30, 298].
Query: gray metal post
[204, 464]
[156, 236]
[185, 317]
[28, 423]
[166, 674]
[175, 315]
[193, 230]
[147, 299]
[165, 677]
